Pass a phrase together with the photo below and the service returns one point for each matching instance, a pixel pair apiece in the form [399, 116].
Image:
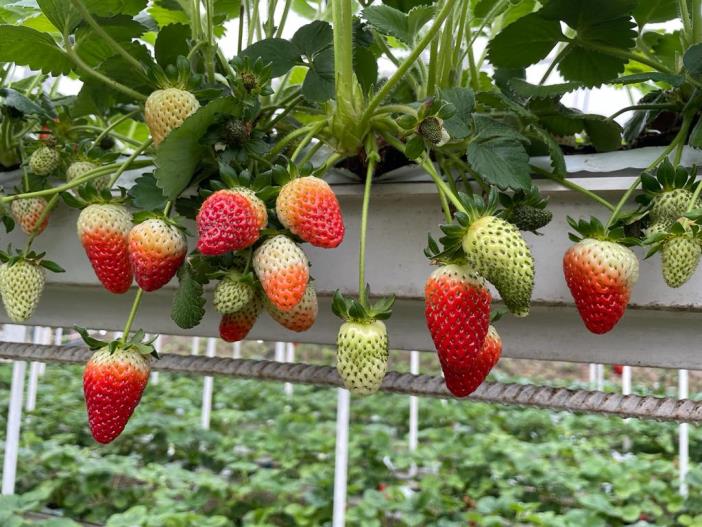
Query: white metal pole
[683, 438]
[626, 380]
[236, 350]
[280, 351]
[289, 357]
[413, 412]
[207, 388]
[195, 346]
[157, 345]
[34, 367]
[46, 339]
[342, 456]
[600, 377]
[593, 375]
[13, 333]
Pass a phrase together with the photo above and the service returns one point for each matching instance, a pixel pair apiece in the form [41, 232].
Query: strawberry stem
[132, 315]
[372, 156]
[35, 232]
[130, 160]
[565, 182]
[112, 126]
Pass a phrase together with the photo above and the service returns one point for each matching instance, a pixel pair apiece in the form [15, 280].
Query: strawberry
[27, 213]
[22, 282]
[299, 318]
[680, 250]
[235, 326]
[283, 270]
[618, 369]
[113, 383]
[600, 272]
[44, 160]
[463, 381]
[362, 348]
[78, 169]
[232, 294]
[157, 249]
[457, 311]
[103, 230]
[230, 220]
[308, 207]
[166, 110]
[496, 250]
[668, 193]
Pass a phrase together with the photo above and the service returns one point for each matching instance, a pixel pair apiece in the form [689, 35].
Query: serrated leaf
[393, 22]
[695, 140]
[146, 194]
[604, 134]
[188, 306]
[554, 151]
[489, 128]
[319, 82]
[693, 59]
[365, 66]
[648, 11]
[61, 13]
[463, 100]
[14, 99]
[654, 76]
[171, 42]
[281, 54]
[524, 42]
[313, 38]
[28, 47]
[179, 154]
[526, 89]
[108, 8]
[500, 162]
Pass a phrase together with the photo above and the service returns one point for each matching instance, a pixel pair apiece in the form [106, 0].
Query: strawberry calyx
[179, 75]
[253, 77]
[594, 229]
[11, 257]
[666, 178]
[688, 226]
[352, 310]
[174, 220]
[138, 343]
[526, 209]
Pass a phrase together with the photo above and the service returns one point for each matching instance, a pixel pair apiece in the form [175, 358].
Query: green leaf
[108, 8]
[14, 99]
[178, 155]
[554, 151]
[365, 66]
[61, 13]
[695, 140]
[281, 54]
[146, 194]
[489, 128]
[693, 59]
[526, 89]
[604, 134]
[648, 11]
[52, 266]
[418, 17]
[654, 76]
[91, 342]
[28, 47]
[524, 42]
[500, 162]
[171, 42]
[463, 100]
[312, 38]
[556, 117]
[393, 22]
[188, 306]
[319, 82]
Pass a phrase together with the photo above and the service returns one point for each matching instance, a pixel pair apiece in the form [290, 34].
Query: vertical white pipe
[289, 357]
[593, 375]
[600, 377]
[195, 346]
[626, 380]
[13, 333]
[207, 388]
[280, 351]
[413, 413]
[157, 345]
[683, 438]
[342, 457]
[34, 367]
[46, 339]
[236, 350]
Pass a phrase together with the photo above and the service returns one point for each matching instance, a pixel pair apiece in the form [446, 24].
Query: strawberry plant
[241, 141]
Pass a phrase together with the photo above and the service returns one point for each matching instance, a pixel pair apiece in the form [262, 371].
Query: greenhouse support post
[207, 387]
[236, 350]
[341, 457]
[683, 435]
[289, 357]
[13, 333]
[626, 380]
[592, 375]
[195, 346]
[39, 337]
[279, 352]
[599, 377]
[413, 412]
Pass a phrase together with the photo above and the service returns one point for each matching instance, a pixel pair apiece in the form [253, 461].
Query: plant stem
[387, 88]
[565, 182]
[311, 152]
[132, 315]
[253, 23]
[288, 107]
[106, 36]
[283, 18]
[652, 106]
[497, 8]
[694, 197]
[427, 165]
[25, 174]
[330, 162]
[209, 12]
[686, 22]
[696, 21]
[112, 126]
[556, 60]
[44, 214]
[372, 152]
[342, 18]
[280, 145]
[240, 35]
[129, 161]
[306, 140]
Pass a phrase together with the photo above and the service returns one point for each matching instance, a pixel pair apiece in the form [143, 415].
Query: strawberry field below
[477, 464]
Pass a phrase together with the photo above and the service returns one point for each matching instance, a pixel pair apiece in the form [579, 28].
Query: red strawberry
[157, 249]
[308, 207]
[283, 270]
[113, 383]
[235, 326]
[465, 380]
[27, 213]
[600, 275]
[103, 231]
[457, 311]
[299, 318]
[230, 220]
[618, 369]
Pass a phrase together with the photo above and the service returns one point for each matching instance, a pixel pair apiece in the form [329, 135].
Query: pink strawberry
[27, 213]
[457, 311]
[302, 316]
[103, 231]
[113, 383]
[157, 249]
[230, 220]
[283, 270]
[308, 207]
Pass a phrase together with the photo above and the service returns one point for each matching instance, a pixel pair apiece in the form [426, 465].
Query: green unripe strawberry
[528, 218]
[21, 284]
[496, 250]
[432, 129]
[44, 160]
[669, 206]
[680, 256]
[231, 294]
[362, 355]
[657, 228]
[79, 168]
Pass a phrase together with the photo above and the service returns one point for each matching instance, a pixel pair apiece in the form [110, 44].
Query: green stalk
[104, 35]
[311, 152]
[446, 50]
[696, 21]
[253, 23]
[132, 315]
[306, 140]
[280, 145]
[372, 152]
[433, 68]
[240, 35]
[330, 162]
[45, 213]
[694, 197]
[427, 165]
[406, 65]
[130, 160]
[565, 182]
[114, 125]
[342, 18]
[196, 21]
[283, 18]
[652, 106]
[25, 174]
[556, 60]
[686, 21]
[497, 8]
[209, 12]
